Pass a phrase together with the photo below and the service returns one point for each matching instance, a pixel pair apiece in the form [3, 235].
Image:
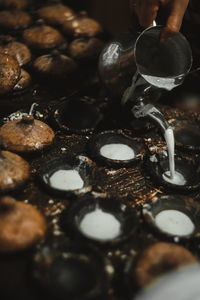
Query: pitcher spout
[141, 110]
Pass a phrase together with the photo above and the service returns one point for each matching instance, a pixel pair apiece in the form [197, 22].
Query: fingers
[174, 21]
[146, 11]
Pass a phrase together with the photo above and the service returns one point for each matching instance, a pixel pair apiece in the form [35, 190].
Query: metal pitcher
[133, 65]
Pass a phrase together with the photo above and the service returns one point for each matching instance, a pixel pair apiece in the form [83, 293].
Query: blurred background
[114, 15]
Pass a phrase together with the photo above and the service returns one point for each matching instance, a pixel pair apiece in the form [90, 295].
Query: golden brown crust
[160, 258]
[14, 19]
[16, 4]
[18, 50]
[24, 81]
[82, 27]
[42, 37]
[26, 135]
[55, 14]
[21, 225]
[9, 73]
[85, 48]
[55, 65]
[14, 171]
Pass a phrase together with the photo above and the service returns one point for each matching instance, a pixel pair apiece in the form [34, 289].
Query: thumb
[174, 20]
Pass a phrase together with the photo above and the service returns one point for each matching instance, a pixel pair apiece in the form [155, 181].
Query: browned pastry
[26, 135]
[54, 64]
[17, 4]
[16, 49]
[14, 171]
[85, 48]
[14, 19]
[56, 14]
[9, 73]
[81, 26]
[23, 83]
[42, 36]
[160, 258]
[21, 225]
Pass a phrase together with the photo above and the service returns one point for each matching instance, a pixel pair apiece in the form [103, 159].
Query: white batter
[177, 179]
[66, 180]
[169, 138]
[161, 82]
[100, 225]
[174, 222]
[117, 151]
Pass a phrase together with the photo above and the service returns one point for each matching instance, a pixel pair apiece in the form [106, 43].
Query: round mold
[116, 137]
[84, 168]
[77, 115]
[68, 270]
[158, 164]
[188, 100]
[180, 203]
[109, 210]
[187, 134]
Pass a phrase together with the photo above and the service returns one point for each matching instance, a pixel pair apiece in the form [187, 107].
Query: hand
[147, 11]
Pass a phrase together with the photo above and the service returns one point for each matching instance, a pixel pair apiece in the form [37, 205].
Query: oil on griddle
[59, 85]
